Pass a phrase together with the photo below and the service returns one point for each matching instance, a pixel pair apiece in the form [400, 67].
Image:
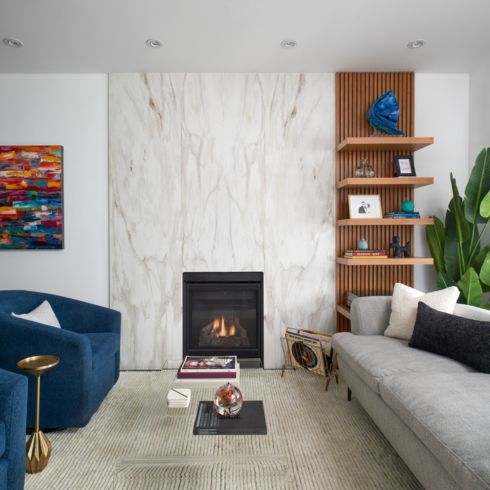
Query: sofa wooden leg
[349, 395]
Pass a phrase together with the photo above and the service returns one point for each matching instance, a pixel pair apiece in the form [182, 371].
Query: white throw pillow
[42, 314]
[404, 305]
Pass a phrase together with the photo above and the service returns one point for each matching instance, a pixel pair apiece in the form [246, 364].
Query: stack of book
[377, 253]
[401, 214]
[209, 370]
[178, 398]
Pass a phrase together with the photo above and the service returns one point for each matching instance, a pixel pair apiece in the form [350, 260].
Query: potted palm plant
[460, 258]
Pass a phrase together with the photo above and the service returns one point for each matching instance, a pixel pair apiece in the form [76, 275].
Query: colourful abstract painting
[31, 197]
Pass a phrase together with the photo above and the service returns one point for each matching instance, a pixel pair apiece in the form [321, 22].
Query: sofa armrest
[13, 407]
[81, 317]
[370, 315]
[21, 338]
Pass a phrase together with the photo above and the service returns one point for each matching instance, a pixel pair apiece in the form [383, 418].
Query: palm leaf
[451, 245]
[470, 286]
[477, 187]
[462, 226]
[485, 270]
[480, 258]
[444, 281]
[485, 206]
[435, 238]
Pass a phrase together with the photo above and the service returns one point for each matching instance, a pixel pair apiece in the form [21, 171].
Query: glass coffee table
[180, 459]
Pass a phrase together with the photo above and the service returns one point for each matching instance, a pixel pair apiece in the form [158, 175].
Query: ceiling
[97, 36]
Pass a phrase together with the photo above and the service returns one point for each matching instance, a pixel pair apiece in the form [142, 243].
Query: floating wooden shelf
[385, 143]
[385, 222]
[390, 261]
[412, 182]
[343, 310]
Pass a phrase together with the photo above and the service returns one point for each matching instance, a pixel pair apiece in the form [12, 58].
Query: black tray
[250, 420]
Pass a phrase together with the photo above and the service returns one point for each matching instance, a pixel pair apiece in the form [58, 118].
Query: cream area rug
[315, 440]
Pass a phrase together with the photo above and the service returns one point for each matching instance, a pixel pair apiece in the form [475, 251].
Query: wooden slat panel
[355, 92]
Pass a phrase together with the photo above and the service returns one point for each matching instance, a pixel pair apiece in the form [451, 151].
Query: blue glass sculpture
[383, 115]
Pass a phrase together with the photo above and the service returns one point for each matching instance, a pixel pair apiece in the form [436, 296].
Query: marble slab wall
[220, 172]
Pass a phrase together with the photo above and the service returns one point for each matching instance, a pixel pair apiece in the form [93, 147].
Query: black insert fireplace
[223, 314]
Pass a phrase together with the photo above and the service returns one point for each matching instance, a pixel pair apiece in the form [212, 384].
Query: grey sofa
[434, 411]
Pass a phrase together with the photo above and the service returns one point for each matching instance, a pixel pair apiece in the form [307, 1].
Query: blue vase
[362, 244]
[408, 206]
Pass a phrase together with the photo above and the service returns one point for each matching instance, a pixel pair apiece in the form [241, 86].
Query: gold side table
[38, 447]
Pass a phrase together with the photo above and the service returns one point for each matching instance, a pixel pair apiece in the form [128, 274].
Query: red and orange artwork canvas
[31, 197]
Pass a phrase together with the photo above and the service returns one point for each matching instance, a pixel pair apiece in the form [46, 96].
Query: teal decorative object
[383, 115]
[362, 244]
[408, 206]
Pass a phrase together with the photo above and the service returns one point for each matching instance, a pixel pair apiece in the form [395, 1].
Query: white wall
[442, 111]
[479, 118]
[68, 110]
[479, 112]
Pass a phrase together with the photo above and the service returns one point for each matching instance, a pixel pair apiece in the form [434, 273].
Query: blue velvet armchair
[13, 404]
[88, 345]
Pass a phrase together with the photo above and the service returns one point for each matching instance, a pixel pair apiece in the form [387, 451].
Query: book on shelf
[400, 214]
[209, 364]
[355, 257]
[376, 253]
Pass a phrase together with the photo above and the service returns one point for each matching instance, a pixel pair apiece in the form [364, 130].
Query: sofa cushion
[449, 413]
[459, 338]
[373, 357]
[104, 346]
[472, 312]
[42, 314]
[2, 438]
[404, 307]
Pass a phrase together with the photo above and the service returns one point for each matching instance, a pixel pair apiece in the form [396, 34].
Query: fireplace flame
[221, 329]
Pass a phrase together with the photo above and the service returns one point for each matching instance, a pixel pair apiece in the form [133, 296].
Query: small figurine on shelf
[362, 244]
[408, 206]
[364, 169]
[399, 250]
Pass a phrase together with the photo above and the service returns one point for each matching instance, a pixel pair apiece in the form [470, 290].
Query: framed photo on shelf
[404, 166]
[365, 206]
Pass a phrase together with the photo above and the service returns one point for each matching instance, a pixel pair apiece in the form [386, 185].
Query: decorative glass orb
[228, 400]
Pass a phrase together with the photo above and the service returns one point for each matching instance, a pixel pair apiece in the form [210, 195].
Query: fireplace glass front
[223, 314]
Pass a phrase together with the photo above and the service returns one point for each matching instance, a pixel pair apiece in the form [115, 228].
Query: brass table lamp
[38, 447]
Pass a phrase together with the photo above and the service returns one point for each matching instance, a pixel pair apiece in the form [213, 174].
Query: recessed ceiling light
[154, 43]
[12, 42]
[415, 44]
[288, 43]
